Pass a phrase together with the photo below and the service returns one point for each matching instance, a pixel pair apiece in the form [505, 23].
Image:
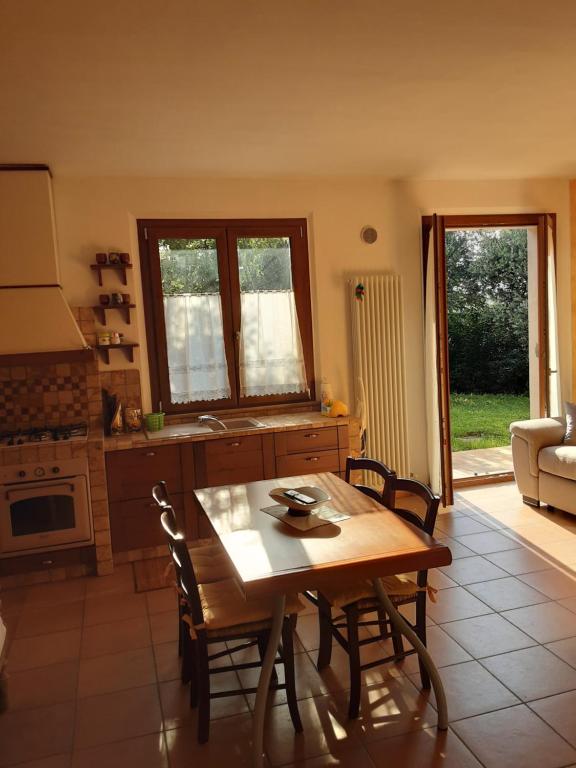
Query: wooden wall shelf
[120, 268]
[127, 346]
[100, 311]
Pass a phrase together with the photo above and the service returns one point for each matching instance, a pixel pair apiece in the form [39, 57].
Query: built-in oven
[44, 506]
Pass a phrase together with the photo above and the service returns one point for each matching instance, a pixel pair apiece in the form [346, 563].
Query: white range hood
[34, 315]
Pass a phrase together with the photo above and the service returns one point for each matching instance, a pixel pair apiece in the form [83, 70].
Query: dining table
[272, 558]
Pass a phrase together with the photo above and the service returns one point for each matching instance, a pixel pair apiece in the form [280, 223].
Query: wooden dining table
[271, 558]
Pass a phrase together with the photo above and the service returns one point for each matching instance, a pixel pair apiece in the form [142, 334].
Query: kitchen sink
[231, 424]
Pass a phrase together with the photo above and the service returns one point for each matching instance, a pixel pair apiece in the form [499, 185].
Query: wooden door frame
[437, 225]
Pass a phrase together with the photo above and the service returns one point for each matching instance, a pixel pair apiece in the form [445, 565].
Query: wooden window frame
[225, 232]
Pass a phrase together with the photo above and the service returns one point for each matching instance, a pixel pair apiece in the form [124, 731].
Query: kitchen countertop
[283, 422]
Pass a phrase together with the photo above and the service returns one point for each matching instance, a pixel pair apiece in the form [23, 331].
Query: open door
[544, 363]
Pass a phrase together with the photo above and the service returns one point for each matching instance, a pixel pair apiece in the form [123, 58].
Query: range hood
[35, 318]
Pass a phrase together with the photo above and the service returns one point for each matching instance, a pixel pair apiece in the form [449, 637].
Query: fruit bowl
[296, 507]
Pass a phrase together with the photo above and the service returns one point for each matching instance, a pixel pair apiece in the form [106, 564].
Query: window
[227, 312]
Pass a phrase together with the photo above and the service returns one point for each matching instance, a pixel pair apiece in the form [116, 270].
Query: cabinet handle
[151, 453]
[312, 435]
[312, 458]
[235, 445]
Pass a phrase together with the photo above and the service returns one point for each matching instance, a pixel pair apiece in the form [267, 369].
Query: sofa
[544, 466]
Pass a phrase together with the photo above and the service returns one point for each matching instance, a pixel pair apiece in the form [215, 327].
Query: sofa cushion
[570, 435]
[559, 460]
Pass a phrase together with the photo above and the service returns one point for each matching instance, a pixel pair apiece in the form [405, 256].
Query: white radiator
[379, 367]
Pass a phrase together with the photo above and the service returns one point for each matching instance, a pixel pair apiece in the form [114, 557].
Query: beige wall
[95, 214]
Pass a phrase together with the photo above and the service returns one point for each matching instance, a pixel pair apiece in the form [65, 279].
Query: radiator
[379, 367]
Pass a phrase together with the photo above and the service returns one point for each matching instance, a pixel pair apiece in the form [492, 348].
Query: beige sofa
[545, 468]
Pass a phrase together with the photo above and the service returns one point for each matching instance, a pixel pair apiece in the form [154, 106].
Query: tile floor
[94, 674]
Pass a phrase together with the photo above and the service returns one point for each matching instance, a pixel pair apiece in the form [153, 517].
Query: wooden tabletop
[270, 556]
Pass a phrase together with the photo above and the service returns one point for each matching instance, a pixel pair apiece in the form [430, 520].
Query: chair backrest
[160, 495]
[388, 476]
[425, 521]
[185, 576]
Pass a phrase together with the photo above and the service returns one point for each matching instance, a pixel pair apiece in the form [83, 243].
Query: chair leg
[420, 628]
[397, 642]
[288, 657]
[203, 668]
[325, 626]
[188, 654]
[262, 645]
[354, 661]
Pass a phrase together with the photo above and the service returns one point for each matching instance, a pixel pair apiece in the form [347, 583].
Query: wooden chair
[359, 599]
[217, 612]
[387, 475]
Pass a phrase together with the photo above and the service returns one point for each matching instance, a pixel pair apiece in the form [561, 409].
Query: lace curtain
[196, 354]
[271, 358]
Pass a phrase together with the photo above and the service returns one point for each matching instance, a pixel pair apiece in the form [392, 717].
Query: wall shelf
[127, 346]
[120, 268]
[101, 309]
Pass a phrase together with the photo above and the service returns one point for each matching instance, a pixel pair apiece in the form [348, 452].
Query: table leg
[264, 679]
[404, 628]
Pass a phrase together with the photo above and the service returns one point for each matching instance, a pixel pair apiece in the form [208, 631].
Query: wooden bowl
[295, 508]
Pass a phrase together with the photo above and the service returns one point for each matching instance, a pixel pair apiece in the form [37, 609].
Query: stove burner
[44, 434]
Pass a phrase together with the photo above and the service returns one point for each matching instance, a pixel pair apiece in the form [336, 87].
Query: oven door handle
[71, 486]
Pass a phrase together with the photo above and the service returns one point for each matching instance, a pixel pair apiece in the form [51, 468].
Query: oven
[44, 507]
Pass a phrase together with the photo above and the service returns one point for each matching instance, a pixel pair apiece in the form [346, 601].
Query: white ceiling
[402, 88]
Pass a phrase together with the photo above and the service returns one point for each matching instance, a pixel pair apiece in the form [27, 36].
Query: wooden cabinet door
[132, 474]
[135, 524]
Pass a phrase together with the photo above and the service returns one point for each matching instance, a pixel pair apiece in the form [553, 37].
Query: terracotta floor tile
[31, 734]
[471, 690]
[45, 619]
[487, 635]
[122, 580]
[552, 583]
[326, 731]
[545, 622]
[106, 608]
[389, 709]
[532, 673]
[460, 526]
[439, 580]
[43, 650]
[486, 543]
[512, 738]
[117, 716]
[53, 593]
[43, 687]
[229, 745]
[568, 602]
[354, 757]
[13, 600]
[444, 650]
[54, 761]
[115, 637]
[160, 600]
[560, 713]
[430, 748]
[144, 752]
[307, 631]
[506, 594]
[336, 677]
[116, 672]
[518, 561]
[565, 649]
[167, 661]
[468, 570]
[457, 549]
[164, 626]
[454, 604]
[175, 701]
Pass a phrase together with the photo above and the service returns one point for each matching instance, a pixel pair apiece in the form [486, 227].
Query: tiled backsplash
[124, 384]
[32, 396]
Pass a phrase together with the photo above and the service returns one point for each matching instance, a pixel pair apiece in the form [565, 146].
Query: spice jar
[104, 338]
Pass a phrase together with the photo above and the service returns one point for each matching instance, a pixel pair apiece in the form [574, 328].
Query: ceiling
[400, 88]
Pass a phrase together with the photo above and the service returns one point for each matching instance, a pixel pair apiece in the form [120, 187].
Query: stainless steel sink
[225, 425]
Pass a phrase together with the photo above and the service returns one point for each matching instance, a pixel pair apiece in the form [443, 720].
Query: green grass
[482, 421]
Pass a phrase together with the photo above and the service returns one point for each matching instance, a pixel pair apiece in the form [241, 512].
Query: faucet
[209, 417]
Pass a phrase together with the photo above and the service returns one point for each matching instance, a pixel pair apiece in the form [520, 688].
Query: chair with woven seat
[386, 475]
[358, 599]
[217, 612]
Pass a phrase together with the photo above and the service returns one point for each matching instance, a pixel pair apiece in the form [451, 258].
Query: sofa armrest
[539, 433]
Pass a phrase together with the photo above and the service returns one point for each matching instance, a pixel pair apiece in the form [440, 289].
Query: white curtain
[271, 358]
[196, 354]
[431, 376]
[555, 397]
